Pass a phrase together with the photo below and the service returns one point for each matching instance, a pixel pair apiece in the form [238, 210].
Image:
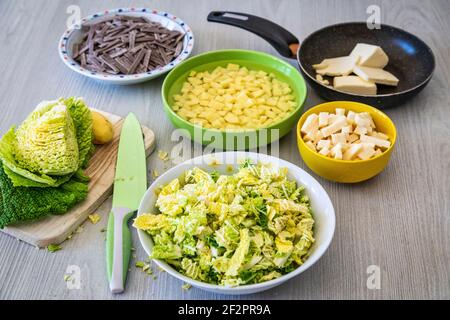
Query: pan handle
[281, 39]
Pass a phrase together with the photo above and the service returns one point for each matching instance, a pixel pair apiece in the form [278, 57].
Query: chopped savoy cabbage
[249, 227]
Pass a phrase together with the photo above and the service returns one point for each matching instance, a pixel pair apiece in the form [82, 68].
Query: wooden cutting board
[101, 169]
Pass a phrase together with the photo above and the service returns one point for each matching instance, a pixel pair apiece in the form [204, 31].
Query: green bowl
[233, 139]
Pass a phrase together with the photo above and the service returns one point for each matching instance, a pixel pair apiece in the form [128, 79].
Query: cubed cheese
[347, 130]
[362, 121]
[337, 125]
[345, 146]
[307, 138]
[370, 55]
[376, 75]
[367, 151]
[324, 151]
[341, 66]
[351, 116]
[360, 130]
[376, 141]
[377, 152]
[368, 117]
[337, 148]
[311, 123]
[354, 84]
[351, 152]
[338, 138]
[316, 135]
[323, 119]
[313, 136]
[380, 135]
[323, 144]
[331, 118]
[311, 145]
[347, 135]
[338, 154]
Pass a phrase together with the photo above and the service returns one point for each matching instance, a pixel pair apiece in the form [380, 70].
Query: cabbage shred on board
[249, 227]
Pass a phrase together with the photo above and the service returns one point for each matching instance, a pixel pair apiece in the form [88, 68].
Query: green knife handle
[118, 248]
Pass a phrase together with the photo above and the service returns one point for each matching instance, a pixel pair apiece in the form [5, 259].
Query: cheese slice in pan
[370, 55]
[376, 75]
[341, 66]
[354, 84]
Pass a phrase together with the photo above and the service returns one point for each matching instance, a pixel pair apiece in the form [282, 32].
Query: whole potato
[101, 128]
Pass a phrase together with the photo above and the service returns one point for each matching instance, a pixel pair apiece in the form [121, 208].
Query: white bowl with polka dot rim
[169, 21]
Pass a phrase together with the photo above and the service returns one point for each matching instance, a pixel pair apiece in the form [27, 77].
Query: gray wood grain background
[398, 221]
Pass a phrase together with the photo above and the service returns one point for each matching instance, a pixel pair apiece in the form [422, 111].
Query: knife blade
[130, 184]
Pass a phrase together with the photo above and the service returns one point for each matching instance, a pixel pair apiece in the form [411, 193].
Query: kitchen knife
[130, 184]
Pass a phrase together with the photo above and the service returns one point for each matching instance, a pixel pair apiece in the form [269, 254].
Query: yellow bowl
[342, 170]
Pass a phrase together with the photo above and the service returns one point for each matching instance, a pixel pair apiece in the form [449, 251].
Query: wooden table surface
[398, 221]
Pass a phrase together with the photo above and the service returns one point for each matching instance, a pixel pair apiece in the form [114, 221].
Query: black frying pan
[410, 59]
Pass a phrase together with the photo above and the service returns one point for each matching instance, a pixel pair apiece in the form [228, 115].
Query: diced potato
[217, 123]
[234, 97]
[231, 118]
[272, 101]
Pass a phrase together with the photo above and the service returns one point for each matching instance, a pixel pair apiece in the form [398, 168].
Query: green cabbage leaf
[18, 204]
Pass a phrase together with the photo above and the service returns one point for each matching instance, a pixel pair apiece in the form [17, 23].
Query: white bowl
[322, 207]
[168, 20]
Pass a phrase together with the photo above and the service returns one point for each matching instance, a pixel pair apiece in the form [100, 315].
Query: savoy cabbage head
[53, 143]
[46, 141]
